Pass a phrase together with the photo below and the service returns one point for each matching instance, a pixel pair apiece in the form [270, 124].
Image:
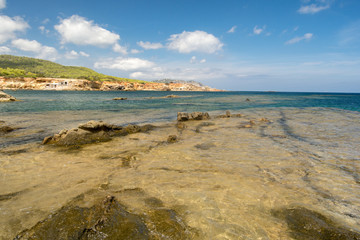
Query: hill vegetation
[14, 66]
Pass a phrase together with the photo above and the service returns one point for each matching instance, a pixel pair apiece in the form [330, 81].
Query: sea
[287, 167]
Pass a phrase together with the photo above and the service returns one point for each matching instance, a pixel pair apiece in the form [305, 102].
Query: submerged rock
[4, 97]
[172, 139]
[5, 129]
[119, 98]
[307, 224]
[183, 116]
[109, 219]
[91, 132]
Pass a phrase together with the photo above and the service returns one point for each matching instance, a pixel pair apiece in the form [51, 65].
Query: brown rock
[172, 139]
[182, 116]
[120, 98]
[200, 115]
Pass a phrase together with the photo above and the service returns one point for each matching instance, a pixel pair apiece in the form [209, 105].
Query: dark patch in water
[109, 219]
[205, 146]
[305, 224]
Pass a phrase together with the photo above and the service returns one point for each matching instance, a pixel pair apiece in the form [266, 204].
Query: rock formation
[6, 97]
[91, 132]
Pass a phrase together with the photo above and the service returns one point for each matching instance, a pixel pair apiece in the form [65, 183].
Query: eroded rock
[93, 131]
[172, 139]
[183, 116]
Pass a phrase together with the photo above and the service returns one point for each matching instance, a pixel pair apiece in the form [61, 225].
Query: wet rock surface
[109, 219]
[93, 131]
[4, 97]
[306, 224]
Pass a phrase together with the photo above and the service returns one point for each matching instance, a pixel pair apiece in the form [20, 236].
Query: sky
[240, 45]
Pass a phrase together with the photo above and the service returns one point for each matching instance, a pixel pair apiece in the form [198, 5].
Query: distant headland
[37, 74]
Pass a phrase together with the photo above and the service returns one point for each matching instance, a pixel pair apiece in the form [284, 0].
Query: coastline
[59, 84]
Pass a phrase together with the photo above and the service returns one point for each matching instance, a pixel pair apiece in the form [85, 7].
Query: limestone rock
[182, 116]
[91, 132]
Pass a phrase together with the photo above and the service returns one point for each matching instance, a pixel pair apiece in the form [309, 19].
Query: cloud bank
[34, 46]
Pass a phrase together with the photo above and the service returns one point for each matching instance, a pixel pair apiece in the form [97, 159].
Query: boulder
[182, 116]
[4, 97]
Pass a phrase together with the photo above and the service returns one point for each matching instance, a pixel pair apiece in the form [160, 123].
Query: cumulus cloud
[79, 31]
[312, 8]
[197, 41]
[193, 59]
[10, 26]
[149, 45]
[232, 30]
[258, 31]
[2, 4]
[307, 36]
[119, 49]
[34, 46]
[125, 64]
[4, 50]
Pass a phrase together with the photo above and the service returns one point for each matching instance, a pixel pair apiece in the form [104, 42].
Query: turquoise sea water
[47, 101]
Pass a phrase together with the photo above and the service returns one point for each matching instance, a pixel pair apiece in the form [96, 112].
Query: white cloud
[80, 31]
[120, 49]
[10, 26]
[312, 8]
[307, 36]
[72, 55]
[4, 50]
[84, 54]
[125, 64]
[135, 51]
[2, 4]
[34, 46]
[149, 45]
[194, 60]
[232, 30]
[257, 30]
[197, 41]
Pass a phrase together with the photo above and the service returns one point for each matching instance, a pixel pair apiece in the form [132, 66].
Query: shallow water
[226, 181]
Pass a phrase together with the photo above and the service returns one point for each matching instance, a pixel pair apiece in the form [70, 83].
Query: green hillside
[14, 66]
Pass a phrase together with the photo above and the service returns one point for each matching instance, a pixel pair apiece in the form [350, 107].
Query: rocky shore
[86, 85]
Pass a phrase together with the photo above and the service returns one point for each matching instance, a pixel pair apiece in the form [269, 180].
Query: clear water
[223, 179]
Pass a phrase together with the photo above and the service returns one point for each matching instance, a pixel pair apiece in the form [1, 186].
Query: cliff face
[81, 84]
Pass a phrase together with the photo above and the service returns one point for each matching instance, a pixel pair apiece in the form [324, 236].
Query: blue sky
[246, 45]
